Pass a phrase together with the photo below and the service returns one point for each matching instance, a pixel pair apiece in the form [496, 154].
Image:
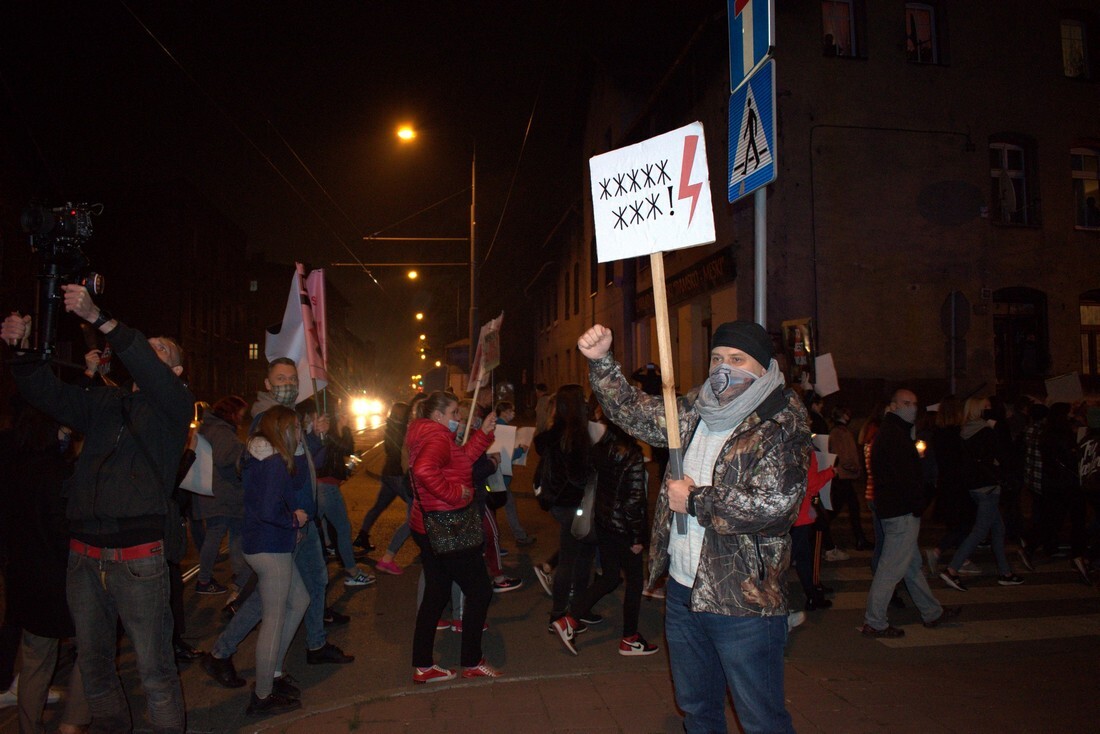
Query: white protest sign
[827, 381]
[653, 196]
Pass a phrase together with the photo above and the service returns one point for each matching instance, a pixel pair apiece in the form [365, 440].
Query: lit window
[1085, 168]
[253, 350]
[1074, 52]
[1008, 176]
[920, 33]
[838, 26]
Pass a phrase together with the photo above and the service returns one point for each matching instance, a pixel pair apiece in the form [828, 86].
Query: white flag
[288, 339]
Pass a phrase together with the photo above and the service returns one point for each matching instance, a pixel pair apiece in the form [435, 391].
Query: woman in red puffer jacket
[441, 473]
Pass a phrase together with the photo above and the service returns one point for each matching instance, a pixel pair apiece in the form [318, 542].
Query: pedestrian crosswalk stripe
[983, 595]
[998, 630]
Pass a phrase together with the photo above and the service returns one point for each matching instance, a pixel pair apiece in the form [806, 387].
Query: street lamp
[419, 317]
[406, 133]
[413, 275]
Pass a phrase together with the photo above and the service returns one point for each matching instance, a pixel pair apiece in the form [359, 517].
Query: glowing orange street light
[406, 133]
[413, 275]
[420, 317]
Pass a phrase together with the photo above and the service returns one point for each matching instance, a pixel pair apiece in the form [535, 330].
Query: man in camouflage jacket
[748, 441]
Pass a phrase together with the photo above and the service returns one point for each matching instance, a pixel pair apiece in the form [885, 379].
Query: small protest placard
[653, 196]
[1065, 389]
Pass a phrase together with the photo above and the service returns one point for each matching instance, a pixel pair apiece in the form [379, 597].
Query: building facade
[934, 220]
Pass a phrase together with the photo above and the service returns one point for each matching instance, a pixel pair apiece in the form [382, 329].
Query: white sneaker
[10, 697]
[545, 579]
[359, 579]
[794, 619]
[836, 554]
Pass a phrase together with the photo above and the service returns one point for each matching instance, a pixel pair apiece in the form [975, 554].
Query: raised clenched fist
[596, 342]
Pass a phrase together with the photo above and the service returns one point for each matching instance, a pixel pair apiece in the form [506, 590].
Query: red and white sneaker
[443, 624]
[434, 674]
[456, 626]
[481, 670]
[636, 645]
[564, 628]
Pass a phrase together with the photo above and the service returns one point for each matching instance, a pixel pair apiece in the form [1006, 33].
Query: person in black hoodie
[982, 467]
[38, 457]
[119, 509]
[622, 528]
[565, 464]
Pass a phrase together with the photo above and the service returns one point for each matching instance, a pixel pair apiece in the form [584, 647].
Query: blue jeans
[216, 528]
[331, 507]
[900, 559]
[709, 652]
[392, 488]
[310, 561]
[988, 519]
[99, 592]
[511, 513]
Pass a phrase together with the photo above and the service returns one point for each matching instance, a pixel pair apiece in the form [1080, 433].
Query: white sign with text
[653, 196]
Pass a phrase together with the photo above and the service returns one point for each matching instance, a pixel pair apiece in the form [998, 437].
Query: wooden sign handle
[668, 376]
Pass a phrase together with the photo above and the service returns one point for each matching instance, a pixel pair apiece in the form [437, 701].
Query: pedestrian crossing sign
[752, 152]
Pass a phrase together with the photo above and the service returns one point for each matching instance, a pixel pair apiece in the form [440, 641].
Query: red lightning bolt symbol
[687, 189]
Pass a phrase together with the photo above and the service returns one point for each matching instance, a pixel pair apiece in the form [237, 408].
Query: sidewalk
[596, 702]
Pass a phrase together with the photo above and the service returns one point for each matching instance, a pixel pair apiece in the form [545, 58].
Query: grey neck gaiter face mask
[728, 382]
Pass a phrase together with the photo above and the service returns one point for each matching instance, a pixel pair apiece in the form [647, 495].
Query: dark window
[1013, 186]
[1085, 170]
[576, 288]
[840, 28]
[565, 300]
[1075, 52]
[921, 44]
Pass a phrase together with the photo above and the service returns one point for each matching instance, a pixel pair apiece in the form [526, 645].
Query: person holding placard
[746, 455]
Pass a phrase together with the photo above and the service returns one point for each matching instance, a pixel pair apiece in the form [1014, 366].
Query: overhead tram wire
[267, 159]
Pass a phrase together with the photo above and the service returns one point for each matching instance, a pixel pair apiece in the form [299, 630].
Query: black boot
[273, 704]
[221, 670]
[814, 603]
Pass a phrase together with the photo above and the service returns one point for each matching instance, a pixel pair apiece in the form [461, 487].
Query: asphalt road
[1022, 659]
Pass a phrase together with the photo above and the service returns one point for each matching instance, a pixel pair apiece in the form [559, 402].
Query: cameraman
[118, 501]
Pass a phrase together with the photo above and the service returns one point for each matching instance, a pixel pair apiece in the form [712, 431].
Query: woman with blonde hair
[982, 465]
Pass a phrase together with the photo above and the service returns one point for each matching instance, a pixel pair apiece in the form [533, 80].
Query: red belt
[131, 553]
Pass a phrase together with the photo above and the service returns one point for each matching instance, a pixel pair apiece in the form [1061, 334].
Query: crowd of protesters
[753, 491]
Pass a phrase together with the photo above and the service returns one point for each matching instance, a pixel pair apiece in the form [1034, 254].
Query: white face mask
[452, 425]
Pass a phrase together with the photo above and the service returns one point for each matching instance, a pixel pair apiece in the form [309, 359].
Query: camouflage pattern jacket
[759, 482]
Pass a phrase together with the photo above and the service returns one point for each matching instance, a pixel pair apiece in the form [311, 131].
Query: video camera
[56, 236]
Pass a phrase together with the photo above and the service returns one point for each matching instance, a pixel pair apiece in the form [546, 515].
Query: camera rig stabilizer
[56, 235]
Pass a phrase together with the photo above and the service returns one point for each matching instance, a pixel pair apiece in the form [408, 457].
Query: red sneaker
[456, 626]
[636, 645]
[443, 624]
[481, 670]
[434, 674]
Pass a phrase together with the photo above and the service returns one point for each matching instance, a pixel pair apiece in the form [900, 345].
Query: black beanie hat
[748, 336]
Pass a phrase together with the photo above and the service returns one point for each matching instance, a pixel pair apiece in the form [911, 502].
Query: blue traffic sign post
[752, 153]
[752, 126]
[752, 36]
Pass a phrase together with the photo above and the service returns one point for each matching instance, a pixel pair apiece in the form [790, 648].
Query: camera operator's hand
[91, 362]
[16, 330]
[78, 301]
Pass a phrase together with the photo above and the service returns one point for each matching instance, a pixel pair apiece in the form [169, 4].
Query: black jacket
[895, 464]
[561, 476]
[117, 495]
[621, 489]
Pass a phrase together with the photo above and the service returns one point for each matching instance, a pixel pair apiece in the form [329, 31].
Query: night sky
[241, 98]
